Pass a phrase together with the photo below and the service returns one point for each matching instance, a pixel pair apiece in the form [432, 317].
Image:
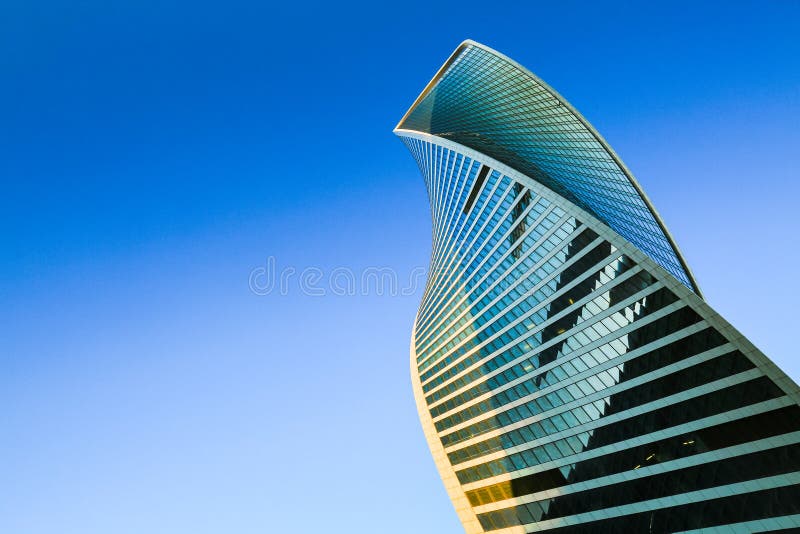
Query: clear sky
[153, 154]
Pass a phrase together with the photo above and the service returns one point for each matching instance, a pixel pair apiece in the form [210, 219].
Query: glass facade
[488, 103]
[569, 376]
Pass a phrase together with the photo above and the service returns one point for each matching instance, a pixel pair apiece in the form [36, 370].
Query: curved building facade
[569, 375]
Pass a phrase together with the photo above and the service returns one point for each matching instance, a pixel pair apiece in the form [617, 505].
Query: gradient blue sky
[152, 154]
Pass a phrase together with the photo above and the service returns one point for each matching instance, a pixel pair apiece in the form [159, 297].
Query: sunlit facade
[569, 375]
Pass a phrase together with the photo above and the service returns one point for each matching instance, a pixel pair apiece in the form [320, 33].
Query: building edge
[458, 498]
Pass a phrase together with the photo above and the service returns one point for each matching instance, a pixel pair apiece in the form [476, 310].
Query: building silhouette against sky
[569, 375]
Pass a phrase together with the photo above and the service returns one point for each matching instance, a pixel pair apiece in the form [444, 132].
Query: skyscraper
[568, 373]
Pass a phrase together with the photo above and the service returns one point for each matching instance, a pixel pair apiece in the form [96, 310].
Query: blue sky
[153, 154]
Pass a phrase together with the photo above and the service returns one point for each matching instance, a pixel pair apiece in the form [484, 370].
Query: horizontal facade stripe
[598, 423]
[721, 435]
[711, 387]
[608, 260]
[596, 269]
[552, 319]
[664, 502]
[605, 365]
[538, 328]
[594, 344]
[645, 471]
[680, 365]
[644, 439]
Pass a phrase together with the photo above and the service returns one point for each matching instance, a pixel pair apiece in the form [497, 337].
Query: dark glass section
[730, 398]
[519, 222]
[476, 187]
[713, 403]
[670, 384]
[683, 380]
[518, 370]
[673, 322]
[709, 513]
[598, 253]
[780, 460]
[539, 380]
[582, 289]
[755, 427]
[683, 348]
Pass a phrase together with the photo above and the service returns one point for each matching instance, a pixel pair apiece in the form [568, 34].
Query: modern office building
[569, 375]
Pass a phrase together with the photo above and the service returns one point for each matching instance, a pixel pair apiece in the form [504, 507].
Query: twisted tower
[569, 375]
